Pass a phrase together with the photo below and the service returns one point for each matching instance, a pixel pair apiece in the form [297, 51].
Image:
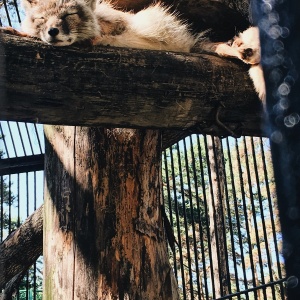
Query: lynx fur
[64, 22]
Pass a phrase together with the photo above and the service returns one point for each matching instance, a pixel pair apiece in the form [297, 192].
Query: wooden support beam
[103, 227]
[114, 87]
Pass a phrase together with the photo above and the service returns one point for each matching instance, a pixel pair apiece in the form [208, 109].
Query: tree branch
[21, 248]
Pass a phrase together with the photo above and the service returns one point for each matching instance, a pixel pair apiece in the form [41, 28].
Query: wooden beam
[114, 87]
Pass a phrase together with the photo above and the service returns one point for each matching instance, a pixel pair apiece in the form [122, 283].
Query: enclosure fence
[219, 197]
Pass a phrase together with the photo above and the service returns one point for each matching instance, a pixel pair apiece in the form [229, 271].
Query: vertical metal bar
[21, 138]
[29, 138]
[272, 214]
[12, 139]
[18, 199]
[4, 141]
[2, 207]
[254, 217]
[38, 138]
[7, 13]
[245, 209]
[169, 206]
[182, 192]
[265, 235]
[178, 226]
[34, 266]
[9, 205]
[201, 225]
[192, 215]
[237, 216]
[203, 185]
[229, 217]
[17, 11]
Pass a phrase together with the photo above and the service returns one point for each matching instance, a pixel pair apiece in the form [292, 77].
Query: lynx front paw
[12, 31]
[227, 51]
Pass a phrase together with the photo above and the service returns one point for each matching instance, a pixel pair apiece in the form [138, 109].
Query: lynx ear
[29, 4]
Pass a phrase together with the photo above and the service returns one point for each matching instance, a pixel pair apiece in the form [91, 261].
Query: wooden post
[103, 232]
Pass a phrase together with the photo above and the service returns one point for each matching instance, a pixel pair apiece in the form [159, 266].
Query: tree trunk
[103, 233]
[216, 217]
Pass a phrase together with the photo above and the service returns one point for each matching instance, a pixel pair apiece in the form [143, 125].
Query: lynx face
[60, 22]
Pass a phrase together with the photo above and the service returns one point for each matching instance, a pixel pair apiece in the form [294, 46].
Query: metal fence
[219, 197]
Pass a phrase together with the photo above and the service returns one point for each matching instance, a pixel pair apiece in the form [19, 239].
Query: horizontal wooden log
[114, 87]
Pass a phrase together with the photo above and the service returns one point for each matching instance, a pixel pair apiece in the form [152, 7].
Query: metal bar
[4, 140]
[203, 186]
[2, 207]
[178, 225]
[29, 138]
[169, 202]
[12, 139]
[190, 196]
[263, 286]
[245, 211]
[260, 198]
[21, 138]
[21, 164]
[252, 204]
[229, 217]
[238, 221]
[272, 213]
[38, 137]
[182, 192]
[201, 225]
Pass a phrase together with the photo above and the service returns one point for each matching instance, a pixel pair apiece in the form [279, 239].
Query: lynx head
[248, 44]
[60, 22]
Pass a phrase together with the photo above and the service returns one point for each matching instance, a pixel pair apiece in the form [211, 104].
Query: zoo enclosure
[225, 249]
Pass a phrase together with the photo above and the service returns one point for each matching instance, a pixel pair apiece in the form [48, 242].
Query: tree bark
[103, 233]
[216, 217]
[115, 87]
[21, 248]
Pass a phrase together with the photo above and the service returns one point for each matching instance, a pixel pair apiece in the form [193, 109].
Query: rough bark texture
[126, 88]
[21, 248]
[103, 233]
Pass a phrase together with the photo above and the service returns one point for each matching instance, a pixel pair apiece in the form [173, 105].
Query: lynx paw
[12, 31]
